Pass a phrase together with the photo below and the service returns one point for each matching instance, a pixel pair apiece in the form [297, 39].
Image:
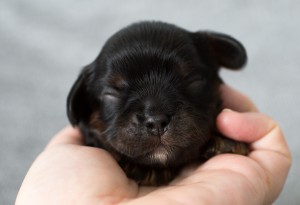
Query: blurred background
[44, 44]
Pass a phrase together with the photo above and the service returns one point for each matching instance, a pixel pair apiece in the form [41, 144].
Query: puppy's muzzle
[153, 118]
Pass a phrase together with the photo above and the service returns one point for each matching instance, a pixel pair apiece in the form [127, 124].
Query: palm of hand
[69, 173]
[91, 171]
[92, 175]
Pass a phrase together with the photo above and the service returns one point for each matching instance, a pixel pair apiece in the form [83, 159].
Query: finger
[269, 148]
[235, 100]
[68, 135]
[255, 128]
[247, 127]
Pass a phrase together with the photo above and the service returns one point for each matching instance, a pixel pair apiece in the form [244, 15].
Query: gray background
[43, 45]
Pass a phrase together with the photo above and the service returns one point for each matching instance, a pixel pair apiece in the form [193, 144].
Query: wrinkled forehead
[127, 66]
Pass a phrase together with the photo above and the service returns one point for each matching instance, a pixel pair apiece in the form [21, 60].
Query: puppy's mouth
[162, 153]
[180, 143]
[155, 148]
[159, 150]
[166, 155]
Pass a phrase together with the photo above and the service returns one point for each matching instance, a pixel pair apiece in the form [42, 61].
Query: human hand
[67, 172]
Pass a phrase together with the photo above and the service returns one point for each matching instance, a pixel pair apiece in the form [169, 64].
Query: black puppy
[152, 96]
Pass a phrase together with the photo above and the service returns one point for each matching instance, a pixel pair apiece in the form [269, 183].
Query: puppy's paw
[222, 145]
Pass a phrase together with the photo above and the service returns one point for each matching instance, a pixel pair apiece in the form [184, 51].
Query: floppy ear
[225, 50]
[79, 105]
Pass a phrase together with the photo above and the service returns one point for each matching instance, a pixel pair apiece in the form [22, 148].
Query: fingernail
[227, 110]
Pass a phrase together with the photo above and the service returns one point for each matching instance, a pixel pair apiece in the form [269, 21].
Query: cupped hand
[67, 172]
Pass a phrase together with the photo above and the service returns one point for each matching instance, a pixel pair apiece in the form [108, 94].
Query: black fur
[151, 97]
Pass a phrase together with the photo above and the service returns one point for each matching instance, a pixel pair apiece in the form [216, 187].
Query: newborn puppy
[151, 99]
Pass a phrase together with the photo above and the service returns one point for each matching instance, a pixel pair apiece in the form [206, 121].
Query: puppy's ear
[78, 101]
[225, 50]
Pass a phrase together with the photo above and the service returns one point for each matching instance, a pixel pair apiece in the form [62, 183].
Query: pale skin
[67, 172]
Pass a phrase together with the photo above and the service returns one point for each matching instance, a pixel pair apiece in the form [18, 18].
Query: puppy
[151, 99]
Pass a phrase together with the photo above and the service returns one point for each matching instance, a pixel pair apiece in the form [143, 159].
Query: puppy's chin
[181, 143]
[161, 155]
[165, 156]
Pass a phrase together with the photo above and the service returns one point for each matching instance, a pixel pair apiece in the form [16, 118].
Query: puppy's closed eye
[111, 93]
[152, 96]
[114, 89]
[196, 85]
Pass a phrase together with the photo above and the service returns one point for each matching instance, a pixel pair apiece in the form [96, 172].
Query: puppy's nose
[157, 124]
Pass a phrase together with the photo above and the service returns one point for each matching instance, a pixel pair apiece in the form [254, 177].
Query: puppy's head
[152, 94]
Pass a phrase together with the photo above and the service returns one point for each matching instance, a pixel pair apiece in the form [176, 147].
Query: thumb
[247, 127]
[267, 143]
